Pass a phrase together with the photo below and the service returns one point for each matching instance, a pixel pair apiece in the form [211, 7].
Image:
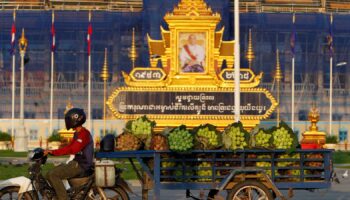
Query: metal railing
[110, 5]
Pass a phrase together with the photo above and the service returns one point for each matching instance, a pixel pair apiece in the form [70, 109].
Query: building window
[343, 135]
[33, 134]
[302, 115]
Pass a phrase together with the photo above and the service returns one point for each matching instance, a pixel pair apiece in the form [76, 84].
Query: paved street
[337, 192]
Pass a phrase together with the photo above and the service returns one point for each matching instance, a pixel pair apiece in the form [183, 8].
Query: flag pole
[330, 94]
[331, 76]
[89, 74]
[237, 96]
[13, 37]
[52, 72]
[293, 74]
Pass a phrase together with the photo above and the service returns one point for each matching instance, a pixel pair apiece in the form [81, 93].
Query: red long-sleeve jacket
[80, 140]
[82, 146]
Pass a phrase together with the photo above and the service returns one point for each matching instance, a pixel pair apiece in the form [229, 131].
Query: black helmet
[37, 154]
[74, 117]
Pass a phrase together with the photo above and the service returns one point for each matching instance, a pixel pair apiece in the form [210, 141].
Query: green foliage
[331, 139]
[55, 138]
[5, 136]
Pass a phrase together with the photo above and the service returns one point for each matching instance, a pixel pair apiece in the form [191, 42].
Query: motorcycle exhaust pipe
[102, 193]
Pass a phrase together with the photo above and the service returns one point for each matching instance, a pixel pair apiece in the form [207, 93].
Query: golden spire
[104, 73]
[250, 52]
[278, 74]
[23, 42]
[278, 77]
[133, 54]
[68, 106]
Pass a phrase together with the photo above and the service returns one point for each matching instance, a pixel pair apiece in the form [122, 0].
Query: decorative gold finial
[133, 54]
[68, 106]
[278, 74]
[250, 52]
[23, 42]
[278, 77]
[104, 73]
[314, 117]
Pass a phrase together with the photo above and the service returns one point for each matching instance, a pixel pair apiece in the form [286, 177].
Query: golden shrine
[313, 135]
[186, 83]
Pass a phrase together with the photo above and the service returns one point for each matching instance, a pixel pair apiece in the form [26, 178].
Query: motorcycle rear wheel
[113, 193]
[11, 193]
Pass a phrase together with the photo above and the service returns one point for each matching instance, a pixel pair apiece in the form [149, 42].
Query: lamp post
[104, 76]
[340, 64]
[21, 142]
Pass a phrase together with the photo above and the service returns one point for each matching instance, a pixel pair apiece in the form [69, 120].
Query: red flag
[89, 33]
[53, 33]
[13, 33]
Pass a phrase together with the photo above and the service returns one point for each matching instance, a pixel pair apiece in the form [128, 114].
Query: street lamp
[340, 64]
[21, 141]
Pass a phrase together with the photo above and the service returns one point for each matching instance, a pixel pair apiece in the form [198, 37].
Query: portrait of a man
[192, 53]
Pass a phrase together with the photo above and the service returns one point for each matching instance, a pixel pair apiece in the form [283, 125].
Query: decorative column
[104, 76]
[133, 53]
[278, 78]
[250, 52]
[21, 141]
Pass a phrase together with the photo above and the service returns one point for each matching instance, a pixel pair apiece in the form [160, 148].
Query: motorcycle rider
[83, 148]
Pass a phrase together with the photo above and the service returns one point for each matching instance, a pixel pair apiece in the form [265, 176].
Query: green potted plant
[331, 142]
[5, 140]
[54, 141]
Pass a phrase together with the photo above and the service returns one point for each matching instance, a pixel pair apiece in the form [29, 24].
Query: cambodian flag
[13, 34]
[330, 37]
[89, 33]
[53, 33]
[293, 37]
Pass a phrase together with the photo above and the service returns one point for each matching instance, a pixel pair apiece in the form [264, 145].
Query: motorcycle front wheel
[11, 193]
[112, 193]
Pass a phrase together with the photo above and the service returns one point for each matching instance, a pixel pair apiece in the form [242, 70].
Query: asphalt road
[336, 192]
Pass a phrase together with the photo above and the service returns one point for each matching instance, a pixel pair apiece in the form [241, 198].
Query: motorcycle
[82, 188]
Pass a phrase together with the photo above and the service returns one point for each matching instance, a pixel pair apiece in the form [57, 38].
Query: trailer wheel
[249, 190]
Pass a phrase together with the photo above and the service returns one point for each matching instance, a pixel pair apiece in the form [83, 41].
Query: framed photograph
[192, 52]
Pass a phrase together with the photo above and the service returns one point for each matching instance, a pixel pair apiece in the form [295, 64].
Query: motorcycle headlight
[30, 155]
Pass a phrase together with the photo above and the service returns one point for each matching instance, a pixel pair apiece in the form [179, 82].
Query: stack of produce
[180, 139]
[262, 139]
[283, 137]
[235, 137]
[141, 127]
[264, 164]
[204, 169]
[207, 137]
[288, 163]
[314, 163]
[183, 174]
[159, 143]
[128, 142]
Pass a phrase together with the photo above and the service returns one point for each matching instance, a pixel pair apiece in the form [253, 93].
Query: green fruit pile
[185, 175]
[236, 137]
[263, 163]
[140, 127]
[204, 172]
[262, 139]
[212, 137]
[288, 163]
[180, 140]
[282, 139]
